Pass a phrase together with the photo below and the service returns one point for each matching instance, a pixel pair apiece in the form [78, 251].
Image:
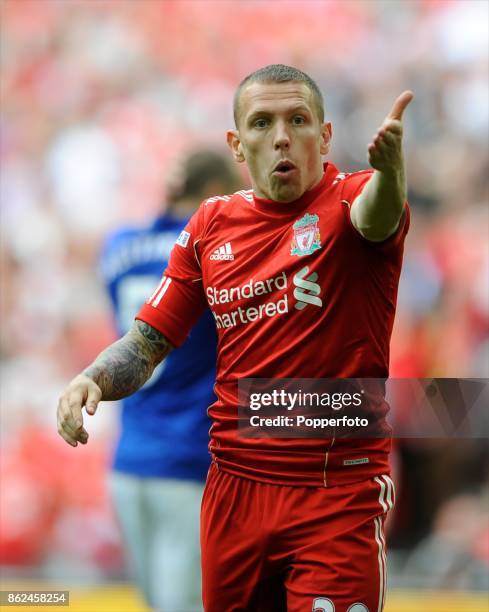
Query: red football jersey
[246, 257]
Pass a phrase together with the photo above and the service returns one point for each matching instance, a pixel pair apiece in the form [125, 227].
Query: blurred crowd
[100, 98]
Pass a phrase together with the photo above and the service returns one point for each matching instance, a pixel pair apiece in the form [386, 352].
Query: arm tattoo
[127, 364]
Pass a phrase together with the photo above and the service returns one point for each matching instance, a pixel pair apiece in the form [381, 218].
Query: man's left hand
[385, 151]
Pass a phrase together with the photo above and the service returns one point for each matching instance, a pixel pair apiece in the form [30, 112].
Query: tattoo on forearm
[127, 364]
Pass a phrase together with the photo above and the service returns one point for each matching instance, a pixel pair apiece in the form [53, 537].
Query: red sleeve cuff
[394, 239]
[174, 314]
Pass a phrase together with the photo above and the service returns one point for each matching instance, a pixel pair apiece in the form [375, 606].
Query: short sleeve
[179, 300]
[352, 187]
[353, 184]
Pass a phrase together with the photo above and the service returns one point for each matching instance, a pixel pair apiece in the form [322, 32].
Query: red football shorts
[271, 548]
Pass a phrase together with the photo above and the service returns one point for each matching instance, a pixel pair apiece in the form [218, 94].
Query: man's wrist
[394, 175]
[94, 373]
[394, 180]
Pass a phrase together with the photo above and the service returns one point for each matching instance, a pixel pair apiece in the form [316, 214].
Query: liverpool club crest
[306, 236]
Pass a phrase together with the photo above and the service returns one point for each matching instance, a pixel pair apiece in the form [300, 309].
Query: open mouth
[284, 167]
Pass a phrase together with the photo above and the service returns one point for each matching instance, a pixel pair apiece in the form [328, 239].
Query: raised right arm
[120, 370]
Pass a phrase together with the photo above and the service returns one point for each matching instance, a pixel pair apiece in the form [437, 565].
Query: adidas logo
[223, 253]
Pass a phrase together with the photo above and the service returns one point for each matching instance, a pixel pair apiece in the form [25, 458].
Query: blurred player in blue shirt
[161, 458]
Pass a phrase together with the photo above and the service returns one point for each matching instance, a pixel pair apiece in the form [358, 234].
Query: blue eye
[298, 120]
[260, 123]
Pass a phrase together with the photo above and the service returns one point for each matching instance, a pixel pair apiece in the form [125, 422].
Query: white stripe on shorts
[382, 485]
[379, 538]
[391, 495]
[386, 501]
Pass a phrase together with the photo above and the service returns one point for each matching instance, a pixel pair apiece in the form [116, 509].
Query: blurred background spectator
[98, 98]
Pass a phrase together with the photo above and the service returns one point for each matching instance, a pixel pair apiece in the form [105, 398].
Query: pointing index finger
[400, 105]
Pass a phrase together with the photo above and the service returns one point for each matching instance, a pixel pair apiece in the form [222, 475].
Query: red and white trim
[159, 292]
[386, 501]
[387, 492]
[380, 539]
[246, 194]
[214, 199]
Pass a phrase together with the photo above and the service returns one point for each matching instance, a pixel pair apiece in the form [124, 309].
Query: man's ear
[326, 134]
[234, 143]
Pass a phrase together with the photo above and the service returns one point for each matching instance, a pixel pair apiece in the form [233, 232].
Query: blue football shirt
[164, 426]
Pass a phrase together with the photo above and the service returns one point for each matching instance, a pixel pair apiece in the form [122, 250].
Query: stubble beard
[285, 193]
